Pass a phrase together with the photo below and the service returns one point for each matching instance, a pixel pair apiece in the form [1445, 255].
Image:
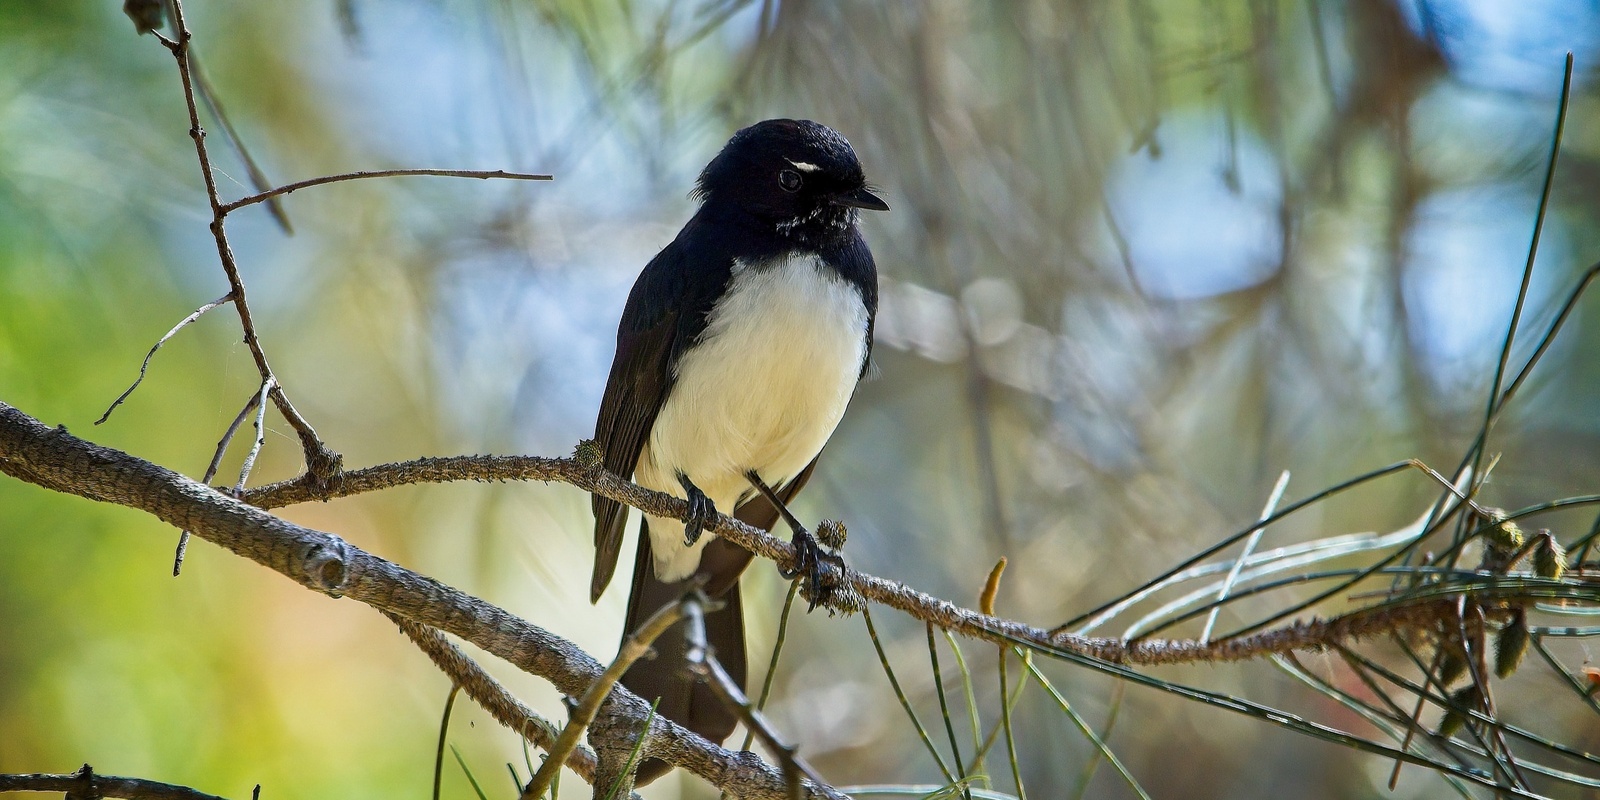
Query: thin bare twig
[321, 461]
[228, 208]
[227, 437]
[84, 783]
[633, 648]
[705, 664]
[147, 16]
[258, 177]
[261, 436]
[1244, 554]
[145, 366]
[211, 472]
[323, 464]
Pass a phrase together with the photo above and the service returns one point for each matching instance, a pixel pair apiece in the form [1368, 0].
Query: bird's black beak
[861, 198]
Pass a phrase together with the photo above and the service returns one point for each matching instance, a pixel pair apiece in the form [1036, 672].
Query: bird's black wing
[853, 260]
[869, 296]
[666, 312]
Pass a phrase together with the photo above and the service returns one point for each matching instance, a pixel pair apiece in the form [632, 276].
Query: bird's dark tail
[682, 698]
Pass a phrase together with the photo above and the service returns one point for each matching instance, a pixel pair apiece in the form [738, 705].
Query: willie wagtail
[741, 343]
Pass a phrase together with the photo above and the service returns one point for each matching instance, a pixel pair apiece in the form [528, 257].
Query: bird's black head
[800, 176]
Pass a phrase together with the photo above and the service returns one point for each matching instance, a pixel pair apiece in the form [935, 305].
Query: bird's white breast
[762, 389]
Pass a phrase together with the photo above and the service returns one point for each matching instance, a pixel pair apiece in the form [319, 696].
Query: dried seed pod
[831, 533]
[1549, 558]
[1469, 697]
[1505, 536]
[991, 587]
[1452, 665]
[1511, 644]
[588, 454]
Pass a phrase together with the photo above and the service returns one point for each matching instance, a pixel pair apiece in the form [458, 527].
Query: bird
[741, 344]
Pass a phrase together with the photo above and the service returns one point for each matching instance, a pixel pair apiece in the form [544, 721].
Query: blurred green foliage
[1142, 258]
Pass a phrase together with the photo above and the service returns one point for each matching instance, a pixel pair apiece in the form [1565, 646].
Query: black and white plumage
[739, 348]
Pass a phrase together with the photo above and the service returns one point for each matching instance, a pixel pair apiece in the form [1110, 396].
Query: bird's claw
[809, 558]
[702, 514]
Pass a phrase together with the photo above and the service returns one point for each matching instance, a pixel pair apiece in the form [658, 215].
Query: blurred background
[1142, 258]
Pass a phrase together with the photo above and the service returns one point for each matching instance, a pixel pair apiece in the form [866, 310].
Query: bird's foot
[702, 512]
[809, 558]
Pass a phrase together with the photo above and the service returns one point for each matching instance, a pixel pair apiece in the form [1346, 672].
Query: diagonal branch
[145, 366]
[703, 662]
[586, 474]
[55, 459]
[489, 694]
[583, 714]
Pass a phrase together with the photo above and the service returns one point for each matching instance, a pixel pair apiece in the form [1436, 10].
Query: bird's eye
[789, 180]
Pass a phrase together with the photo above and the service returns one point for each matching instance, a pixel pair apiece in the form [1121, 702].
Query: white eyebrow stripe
[804, 166]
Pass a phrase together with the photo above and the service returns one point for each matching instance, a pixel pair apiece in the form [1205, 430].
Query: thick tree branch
[489, 694]
[55, 459]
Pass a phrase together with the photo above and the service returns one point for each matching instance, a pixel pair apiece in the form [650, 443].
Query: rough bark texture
[55, 459]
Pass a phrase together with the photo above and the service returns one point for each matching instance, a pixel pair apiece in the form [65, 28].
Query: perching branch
[55, 459]
[589, 476]
[260, 438]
